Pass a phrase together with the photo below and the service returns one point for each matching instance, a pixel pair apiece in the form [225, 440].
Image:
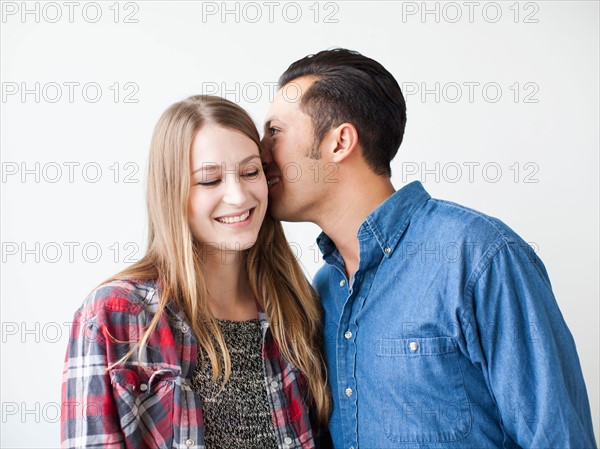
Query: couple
[215, 338]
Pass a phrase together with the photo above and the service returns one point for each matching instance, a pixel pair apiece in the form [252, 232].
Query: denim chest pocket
[422, 391]
[145, 400]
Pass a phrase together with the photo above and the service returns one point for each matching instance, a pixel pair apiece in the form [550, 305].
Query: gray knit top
[237, 415]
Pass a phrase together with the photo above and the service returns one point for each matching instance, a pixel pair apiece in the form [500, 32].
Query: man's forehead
[293, 91]
[280, 109]
[288, 98]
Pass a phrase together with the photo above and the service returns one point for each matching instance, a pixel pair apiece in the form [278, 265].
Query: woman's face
[228, 193]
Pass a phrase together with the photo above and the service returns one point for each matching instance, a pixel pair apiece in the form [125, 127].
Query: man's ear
[340, 142]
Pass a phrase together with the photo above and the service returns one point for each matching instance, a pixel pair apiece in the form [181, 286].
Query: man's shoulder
[455, 222]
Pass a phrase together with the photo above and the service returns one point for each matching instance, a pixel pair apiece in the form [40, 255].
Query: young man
[423, 351]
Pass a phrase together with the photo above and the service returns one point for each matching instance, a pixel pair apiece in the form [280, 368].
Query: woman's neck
[229, 293]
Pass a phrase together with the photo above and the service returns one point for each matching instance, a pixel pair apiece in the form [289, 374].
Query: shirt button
[342, 282]
[348, 334]
[413, 345]
[143, 387]
[388, 250]
[189, 442]
[287, 440]
[348, 392]
[184, 329]
[274, 384]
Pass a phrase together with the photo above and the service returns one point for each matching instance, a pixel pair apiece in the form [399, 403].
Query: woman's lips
[235, 219]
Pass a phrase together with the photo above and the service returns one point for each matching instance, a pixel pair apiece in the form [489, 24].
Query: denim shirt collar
[386, 223]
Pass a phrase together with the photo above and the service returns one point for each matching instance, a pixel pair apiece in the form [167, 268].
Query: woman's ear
[340, 142]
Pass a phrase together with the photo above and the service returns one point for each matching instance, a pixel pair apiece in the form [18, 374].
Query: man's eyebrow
[212, 166]
[271, 120]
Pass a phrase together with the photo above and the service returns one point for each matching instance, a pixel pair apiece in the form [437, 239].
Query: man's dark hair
[351, 88]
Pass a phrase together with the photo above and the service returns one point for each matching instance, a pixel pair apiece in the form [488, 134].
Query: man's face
[293, 177]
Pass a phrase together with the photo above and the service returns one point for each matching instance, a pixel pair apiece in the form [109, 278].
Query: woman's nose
[235, 190]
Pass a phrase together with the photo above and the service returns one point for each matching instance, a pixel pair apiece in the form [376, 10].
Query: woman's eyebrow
[213, 166]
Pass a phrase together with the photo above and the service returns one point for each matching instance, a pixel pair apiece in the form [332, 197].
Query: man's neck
[346, 212]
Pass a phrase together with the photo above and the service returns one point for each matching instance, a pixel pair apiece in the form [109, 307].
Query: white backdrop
[503, 108]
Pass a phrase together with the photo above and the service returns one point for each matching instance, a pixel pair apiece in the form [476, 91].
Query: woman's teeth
[236, 219]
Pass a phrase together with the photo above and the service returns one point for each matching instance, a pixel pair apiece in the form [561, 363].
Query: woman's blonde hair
[174, 258]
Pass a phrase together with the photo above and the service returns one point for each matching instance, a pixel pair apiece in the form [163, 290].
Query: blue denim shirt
[448, 336]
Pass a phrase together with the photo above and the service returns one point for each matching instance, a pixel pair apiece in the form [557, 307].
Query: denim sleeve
[528, 354]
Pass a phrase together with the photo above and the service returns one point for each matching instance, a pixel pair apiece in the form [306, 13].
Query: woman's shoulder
[118, 295]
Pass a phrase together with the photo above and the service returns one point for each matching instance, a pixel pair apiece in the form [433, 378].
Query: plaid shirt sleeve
[89, 416]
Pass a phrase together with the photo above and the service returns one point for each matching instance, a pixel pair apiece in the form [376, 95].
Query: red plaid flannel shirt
[147, 402]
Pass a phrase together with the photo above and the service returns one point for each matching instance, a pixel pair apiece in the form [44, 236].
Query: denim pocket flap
[401, 347]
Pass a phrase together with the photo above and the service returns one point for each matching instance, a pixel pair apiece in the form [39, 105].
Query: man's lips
[272, 180]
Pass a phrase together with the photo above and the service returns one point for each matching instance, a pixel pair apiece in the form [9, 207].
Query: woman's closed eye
[248, 175]
[214, 182]
[251, 174]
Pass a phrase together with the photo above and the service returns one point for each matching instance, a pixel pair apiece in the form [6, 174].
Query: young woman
[211, 340]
